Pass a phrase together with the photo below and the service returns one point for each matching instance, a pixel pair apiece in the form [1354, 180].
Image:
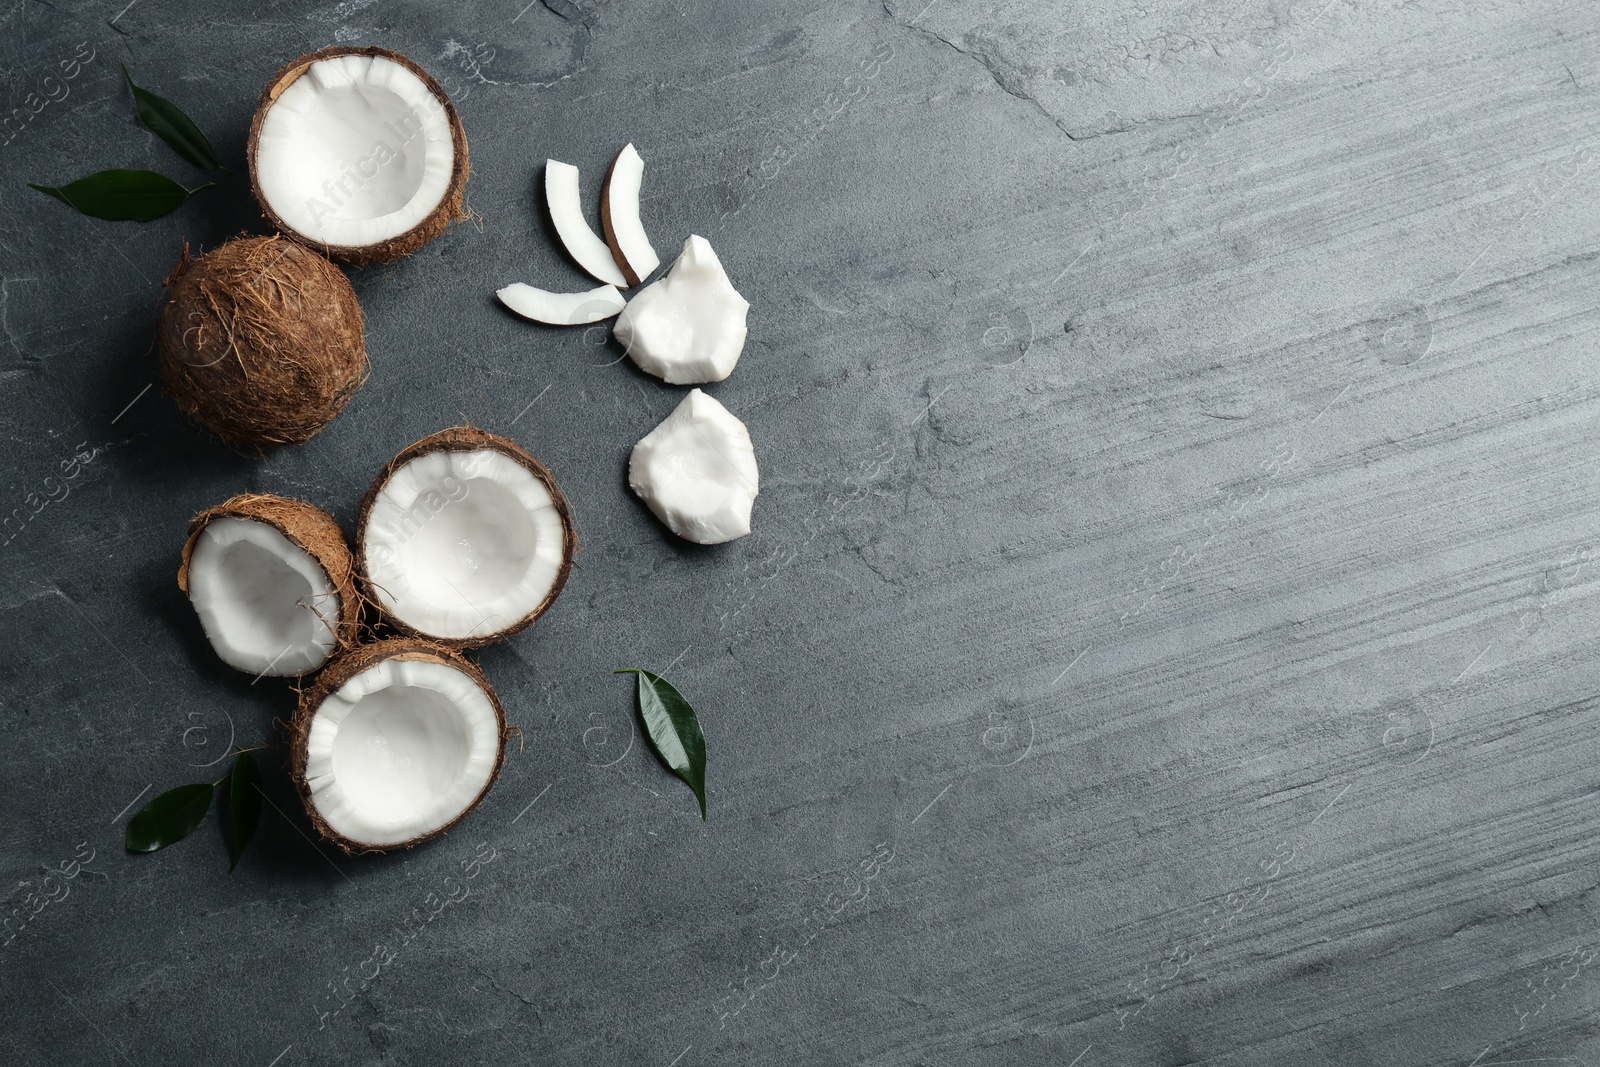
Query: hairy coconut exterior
[452, 206]
[346, 667]
[262, 342]
[309, 529]
[467, 439]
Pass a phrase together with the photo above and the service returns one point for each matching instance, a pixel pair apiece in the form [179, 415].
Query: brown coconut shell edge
[309, 529]
[451, 207]
[345, 667]
[466, 439]
[623, 265]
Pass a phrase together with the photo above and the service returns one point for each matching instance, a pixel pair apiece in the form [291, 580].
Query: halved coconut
[358, 152]
[566, 213]
[562, 309]
[273, 582]
[688, 326]
[464, 538]
[395, 743]
[697, 471]
[619, 217]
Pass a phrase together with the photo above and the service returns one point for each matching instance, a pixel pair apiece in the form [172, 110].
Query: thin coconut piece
[619, 217]
[273, 582]
[566, 212]
[358, 152]
[395, 744]
[262, 341]
[689, 326]
[697, 471]
[464, 538]
[562, 309]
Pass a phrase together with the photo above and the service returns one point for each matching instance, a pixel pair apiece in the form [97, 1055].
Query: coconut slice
[619, 217]
[697, 471]
[566, 212]
[395, 743]
[562, 309]
[464, 538]
[358, 152]
[689, 326]
[273, 582]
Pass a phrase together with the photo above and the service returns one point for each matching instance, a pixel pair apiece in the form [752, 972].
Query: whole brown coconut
[340, 671]
[371, 145]
[262, 341]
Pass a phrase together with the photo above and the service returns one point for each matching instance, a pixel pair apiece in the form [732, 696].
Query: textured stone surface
[1172, 579]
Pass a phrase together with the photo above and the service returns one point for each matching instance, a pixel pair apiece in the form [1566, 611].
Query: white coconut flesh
[357, 150]
[697, 471]
[632, 245]
[400, 750]
[566, 212]
[689, 326]
[266, 605]
[562, 309]
[461, 545]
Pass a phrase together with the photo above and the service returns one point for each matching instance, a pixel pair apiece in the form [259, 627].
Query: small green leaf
[168, 122]
[170, 817]
[674, 731]
[244, 799]
[122, 195]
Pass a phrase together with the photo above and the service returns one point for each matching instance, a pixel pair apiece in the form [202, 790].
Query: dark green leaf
[170, 817]
[168, 122]
[674, 731]
[244, 798]
[122, 195]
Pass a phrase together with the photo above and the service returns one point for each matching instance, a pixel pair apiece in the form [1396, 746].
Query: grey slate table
[1169, 631]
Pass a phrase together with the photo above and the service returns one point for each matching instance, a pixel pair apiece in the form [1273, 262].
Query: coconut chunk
[566, 212]
[697, 471]
[358, 152]
[562, 309]
[464, 538]
[395, 744]
[619, 217]
[271, 580]
[689, 326]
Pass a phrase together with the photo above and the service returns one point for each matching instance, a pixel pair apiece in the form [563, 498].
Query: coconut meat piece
[400, 750]
[266, 605]
[619, 216]
[355, 151]
[697, 471]
[689, 326]
[562, 309]
[566, 212]
[462, 545]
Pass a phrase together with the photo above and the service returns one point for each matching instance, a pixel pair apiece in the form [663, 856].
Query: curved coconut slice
[562, 309]
[358, 152]
[619, 217]
[273, 582]
[262, 341]
[566, 212]
[464, 538]
[689, 326]
[395, 743]
[697, 471]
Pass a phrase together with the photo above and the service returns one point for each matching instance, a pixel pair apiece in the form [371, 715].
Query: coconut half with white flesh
[697, 471]
[689, 326]
[273, 582]
[395, 744]
[359, 153]
[464, 538]
[619, 217]
[562, 196]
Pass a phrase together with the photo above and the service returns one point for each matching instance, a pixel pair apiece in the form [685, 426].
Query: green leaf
[170, 817]
[674, 731]
[168, 122]
[244, 799]
[122, 195]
